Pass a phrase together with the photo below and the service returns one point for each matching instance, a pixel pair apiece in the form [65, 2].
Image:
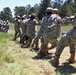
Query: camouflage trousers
[68, 39]
[45, 41]
[16, 34]
[30, 38]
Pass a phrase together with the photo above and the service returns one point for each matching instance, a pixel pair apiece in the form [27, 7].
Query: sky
[13, 3]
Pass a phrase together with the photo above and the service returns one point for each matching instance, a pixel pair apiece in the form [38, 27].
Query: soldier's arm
[38, 22]
[40, 32]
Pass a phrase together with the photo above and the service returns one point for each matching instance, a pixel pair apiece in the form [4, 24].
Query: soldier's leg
[29, 41]
[22, 39]
[72, 52]
[43, 50]
[36, 45]
[54, 44]
[15, 36]
[61, 45]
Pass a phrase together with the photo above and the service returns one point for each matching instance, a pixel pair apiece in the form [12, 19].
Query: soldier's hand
[59, 21]
[49, 26]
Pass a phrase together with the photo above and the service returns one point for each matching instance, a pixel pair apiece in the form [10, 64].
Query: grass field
[19, 61]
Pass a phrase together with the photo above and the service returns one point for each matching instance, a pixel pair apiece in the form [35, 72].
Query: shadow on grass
[66, 69]
[49, 56]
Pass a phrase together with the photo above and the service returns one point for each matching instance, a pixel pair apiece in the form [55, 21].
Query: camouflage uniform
[50, 33]
[30, 30]
[2, 25]
[23, 30]
[17, 28]
[43, 23]
[69, 39]
[7, 26]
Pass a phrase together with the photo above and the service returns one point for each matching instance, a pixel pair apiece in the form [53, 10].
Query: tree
[74, 6]
[19, 11]
[62, 11]
[68, 11]
[28, 7]
[36, 6]
[6, 14]
[2, 15]
[32, 10]
[44, 4]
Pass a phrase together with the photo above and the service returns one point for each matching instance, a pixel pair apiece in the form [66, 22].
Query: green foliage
[44, 4]
[6, 14]
[19, 11]
[32, 10]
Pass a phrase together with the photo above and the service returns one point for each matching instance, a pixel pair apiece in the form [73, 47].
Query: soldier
[23, 29]
[50, 33]
[58, 26]
[43, 22]
[0, 24]
[4, 25]
[30, 30]
[7, 26]
[69, 39]
[17, 27]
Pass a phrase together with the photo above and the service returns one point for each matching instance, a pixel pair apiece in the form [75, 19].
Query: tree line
[66, 8]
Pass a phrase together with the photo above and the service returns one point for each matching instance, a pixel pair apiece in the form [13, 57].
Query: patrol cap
[49, 9]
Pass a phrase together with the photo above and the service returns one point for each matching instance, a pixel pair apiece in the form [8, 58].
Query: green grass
[66, 28]
[17, 61]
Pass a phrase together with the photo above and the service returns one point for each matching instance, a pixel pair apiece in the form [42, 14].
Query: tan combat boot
[43, 52]
[72, 58]
[55, 61]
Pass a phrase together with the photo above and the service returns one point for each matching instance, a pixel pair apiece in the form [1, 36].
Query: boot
[52, 47]
[55, 61]
[72, 58]
[44, 52]
[21, 42]
[36, 47]
[14, 39]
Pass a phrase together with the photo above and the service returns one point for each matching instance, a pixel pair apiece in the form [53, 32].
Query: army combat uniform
[30, 29]
[44, 22]
[50, 33]
[16, 28]
[69, 39]
[23, 30]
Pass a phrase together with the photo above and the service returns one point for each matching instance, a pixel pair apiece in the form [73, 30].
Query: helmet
[49, 9]
[24, 16]
[32, 16]
[17, 17]
[55, 10]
